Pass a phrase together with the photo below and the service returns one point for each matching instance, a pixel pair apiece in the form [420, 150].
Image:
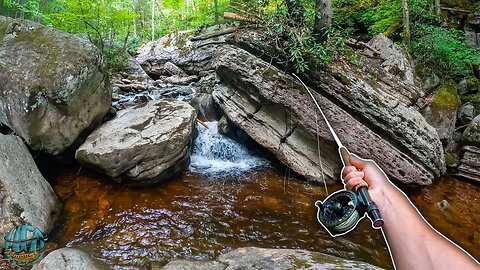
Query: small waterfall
[217, 155]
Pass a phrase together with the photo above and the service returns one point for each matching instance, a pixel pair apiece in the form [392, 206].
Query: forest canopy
[312, 29]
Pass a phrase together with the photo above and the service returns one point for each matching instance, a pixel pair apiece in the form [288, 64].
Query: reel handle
[362, 191]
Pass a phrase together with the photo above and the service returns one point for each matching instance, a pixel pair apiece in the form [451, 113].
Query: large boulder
[271, 259]
[442, 110]
[68, 259]
[276, 111]
[25, 196]
[146, 143]
[53, 84]
[177, 49]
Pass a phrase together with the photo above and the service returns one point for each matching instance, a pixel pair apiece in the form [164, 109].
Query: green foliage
[116, 59]
[445, 51]
[378, 16]
[101, 20]
[295, 37]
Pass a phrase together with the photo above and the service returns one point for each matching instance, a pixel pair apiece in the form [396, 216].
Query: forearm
[413, 243]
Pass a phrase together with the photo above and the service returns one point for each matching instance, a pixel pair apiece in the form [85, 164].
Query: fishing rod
[340, 212]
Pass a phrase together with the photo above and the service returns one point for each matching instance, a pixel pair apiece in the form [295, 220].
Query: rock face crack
[284, 138]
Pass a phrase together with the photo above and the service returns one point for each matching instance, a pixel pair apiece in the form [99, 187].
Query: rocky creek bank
[380, 109]
[374, 108]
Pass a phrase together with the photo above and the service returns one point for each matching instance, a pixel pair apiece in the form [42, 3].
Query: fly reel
[340, 212]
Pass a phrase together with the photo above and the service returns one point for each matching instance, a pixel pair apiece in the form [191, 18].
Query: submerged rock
[275, 110]
[146, 143]
[53, 84]
[68, 259]
[272, 259]
[25, 196]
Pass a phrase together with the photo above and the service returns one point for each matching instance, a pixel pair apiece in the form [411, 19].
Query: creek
[231, 198]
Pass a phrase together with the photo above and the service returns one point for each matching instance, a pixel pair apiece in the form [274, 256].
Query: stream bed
[231, 197]
[197, 218]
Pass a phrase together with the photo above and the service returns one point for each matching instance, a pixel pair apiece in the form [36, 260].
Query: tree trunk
[406, 23]
[216, 11]
[153, 20]
[323, 19]
[437, 7]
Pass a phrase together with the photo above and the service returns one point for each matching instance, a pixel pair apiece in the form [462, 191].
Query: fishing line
[320, 155]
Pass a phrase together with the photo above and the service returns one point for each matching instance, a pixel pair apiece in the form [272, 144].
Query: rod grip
[345, 156]
[362, 191]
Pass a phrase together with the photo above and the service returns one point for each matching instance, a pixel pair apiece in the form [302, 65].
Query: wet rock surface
[146, 143]
[45, 99]
[68, 259]
[272, 259]
[25, 196]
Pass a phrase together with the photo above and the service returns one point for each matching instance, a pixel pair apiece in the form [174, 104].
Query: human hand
[367, 170]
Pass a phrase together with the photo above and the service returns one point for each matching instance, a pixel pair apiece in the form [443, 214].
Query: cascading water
[216, 155]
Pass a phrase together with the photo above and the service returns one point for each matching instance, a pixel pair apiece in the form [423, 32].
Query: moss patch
[451, 160]
[446, 97]
[472, 84]
[471, 98]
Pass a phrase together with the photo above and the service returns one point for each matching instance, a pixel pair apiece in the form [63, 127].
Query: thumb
[358, 162]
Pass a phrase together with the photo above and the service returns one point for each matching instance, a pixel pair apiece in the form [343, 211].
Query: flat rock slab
[25, 196]
[470, 163]
[146, 143]
[253, 258]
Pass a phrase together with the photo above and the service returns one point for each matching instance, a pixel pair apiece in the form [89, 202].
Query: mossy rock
[446, 97]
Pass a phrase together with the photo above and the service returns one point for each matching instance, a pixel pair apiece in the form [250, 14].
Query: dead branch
[360, 45]
[237, 17]
[456, 10]
[215, 34]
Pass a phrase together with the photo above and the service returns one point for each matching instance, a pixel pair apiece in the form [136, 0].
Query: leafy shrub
[445, 51]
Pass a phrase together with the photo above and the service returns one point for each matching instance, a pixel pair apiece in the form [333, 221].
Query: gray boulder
[471, 135]
[467, 112]
[25, 196]
[146, 143]
[442, 110]
[177, 49]
[253, 258]
[275, 110]
[53, 85]
[284, 259]
[68, 259]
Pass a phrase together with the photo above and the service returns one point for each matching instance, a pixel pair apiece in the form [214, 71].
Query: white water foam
[217, 155]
